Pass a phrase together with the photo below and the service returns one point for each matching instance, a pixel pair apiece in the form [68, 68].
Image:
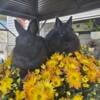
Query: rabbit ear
[33, 26]
[58, 22]
[69, 22]
[18, 27]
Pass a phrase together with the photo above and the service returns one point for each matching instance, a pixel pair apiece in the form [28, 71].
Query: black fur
[30, 50]
[62, 38]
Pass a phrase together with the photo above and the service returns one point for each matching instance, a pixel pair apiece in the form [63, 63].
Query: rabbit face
[62, 37]
[63, 29]
[25, 39]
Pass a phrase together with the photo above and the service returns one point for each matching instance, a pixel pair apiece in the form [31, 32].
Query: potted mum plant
[73, 76]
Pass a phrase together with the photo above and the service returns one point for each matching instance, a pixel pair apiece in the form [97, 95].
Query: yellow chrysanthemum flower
[29, 81]
[51, 63]
[37, 95]
[46, 75]
[92, 75]
[58, 71]
[78, 55]
[57, 57]
[48, 90]
[6, 85]
[71, 64]
[56, 81]
[43, 90]
[78, 97]
[20, 95]
[74, 79]
[85, 79]
[85, 61]
[61, 64]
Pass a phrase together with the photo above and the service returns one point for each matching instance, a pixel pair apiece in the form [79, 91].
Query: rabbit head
[62, 37]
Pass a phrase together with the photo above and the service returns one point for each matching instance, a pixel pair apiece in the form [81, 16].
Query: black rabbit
[62, 38]
[30, 50]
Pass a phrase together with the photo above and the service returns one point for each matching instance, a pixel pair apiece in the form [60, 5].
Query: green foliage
[97, 28]
[90, 24]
